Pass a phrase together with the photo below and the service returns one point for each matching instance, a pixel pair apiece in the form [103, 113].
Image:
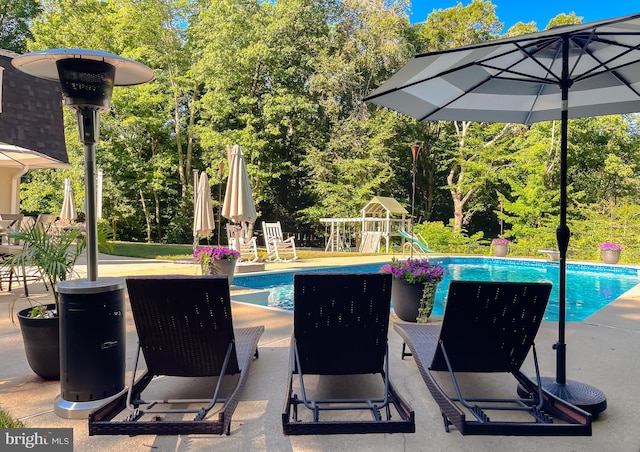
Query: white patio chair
[238, 240]
[278, 249]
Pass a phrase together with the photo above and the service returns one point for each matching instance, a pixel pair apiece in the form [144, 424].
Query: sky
[540, 11]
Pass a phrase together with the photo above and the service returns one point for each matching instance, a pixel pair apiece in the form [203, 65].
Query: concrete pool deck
[602, 351]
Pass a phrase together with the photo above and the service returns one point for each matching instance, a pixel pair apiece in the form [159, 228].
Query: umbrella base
[586, 397]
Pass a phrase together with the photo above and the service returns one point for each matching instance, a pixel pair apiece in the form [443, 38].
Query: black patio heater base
[582, 395]
[92, 345]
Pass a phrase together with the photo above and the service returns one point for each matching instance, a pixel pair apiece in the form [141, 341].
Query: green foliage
[180, 227]
[357, 156]
[54, 255]
[6, 421]
[531, 200]
[460, 25]
[15, 18]
[105, 235]
[286, 81]
[446, 239]
[607, 222]
[564, 19]
[38, 312]
[543, 238]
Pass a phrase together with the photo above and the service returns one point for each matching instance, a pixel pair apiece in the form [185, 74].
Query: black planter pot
[41, 339]
[406, 299]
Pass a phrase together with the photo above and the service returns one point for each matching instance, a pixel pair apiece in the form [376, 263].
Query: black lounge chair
[185, 329]
[341, 323]
[490, 327]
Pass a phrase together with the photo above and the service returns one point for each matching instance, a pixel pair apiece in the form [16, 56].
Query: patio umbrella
[238, 203]
[68, 211]
[203, 222]
[565, 72]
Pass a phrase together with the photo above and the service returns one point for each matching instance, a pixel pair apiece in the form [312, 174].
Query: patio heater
[92, 334]
[415, 150]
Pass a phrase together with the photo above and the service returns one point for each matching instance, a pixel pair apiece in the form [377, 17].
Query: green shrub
[7, 421]
[444, 239]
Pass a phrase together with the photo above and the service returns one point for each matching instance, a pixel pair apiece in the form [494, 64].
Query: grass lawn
[172, 252]
[151, 250]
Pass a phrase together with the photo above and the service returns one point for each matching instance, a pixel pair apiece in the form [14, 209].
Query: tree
[531, 196]
[254, 61]
[160, 40]
[286, 80]
[15, 19]
[359, 151]
[141, 132]
[478, 149]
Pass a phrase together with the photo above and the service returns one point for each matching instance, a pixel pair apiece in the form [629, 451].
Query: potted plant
[217, 260]
[610, 252]
[52, 257]
[413, 289]
[500, 247]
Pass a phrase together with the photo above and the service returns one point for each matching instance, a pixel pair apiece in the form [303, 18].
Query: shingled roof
[31, 111]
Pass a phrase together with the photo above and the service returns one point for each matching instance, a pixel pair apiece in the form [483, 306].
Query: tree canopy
[286, 81]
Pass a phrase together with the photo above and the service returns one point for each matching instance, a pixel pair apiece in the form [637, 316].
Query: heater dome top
[42, 64]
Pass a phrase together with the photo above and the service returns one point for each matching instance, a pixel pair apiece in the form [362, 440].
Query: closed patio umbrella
[203, 221]
[570, 71]
[68, 211]
[238, 203]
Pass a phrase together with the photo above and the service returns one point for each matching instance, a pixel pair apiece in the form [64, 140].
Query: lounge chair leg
[447, 423]
[404, 350]
[295, 407]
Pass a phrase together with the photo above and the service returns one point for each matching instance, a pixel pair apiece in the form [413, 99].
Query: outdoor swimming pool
[589, 286]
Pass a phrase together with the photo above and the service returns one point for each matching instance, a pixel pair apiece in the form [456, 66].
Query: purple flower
[414, 270]
[209, 253]
[499, 241]
[610, 246]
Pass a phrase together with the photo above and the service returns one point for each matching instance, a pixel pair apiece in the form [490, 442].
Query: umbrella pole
[579, 394]
[563, 233]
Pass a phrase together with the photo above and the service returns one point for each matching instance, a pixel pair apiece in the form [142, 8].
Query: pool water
[589, 287]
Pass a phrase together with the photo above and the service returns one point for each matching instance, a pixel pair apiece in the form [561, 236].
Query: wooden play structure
[381, 218]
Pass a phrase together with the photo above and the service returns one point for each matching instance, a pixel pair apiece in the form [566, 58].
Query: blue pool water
[589, 286]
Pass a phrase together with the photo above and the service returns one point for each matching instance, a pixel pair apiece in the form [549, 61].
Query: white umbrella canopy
[68, 211]
[203, 221]
[566, 72]
[238, 203]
